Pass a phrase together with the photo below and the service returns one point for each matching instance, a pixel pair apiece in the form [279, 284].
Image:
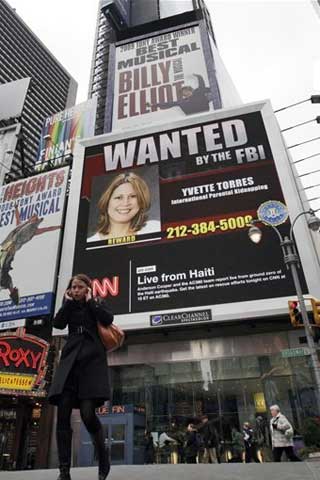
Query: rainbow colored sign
[60, 131]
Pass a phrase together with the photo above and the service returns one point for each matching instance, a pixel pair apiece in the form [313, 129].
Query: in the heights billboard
[31, 215]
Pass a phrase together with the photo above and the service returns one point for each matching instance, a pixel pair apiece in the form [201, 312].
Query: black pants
[64, 432]
[251, 454]
[278, 451]
[192, 459]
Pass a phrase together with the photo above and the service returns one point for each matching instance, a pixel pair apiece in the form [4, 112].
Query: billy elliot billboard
[159, 219]
[160, 75]
[31, 214]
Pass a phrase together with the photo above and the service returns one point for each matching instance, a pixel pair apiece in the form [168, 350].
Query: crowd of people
[200, 442]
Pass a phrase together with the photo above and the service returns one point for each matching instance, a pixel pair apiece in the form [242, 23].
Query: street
[236, 471]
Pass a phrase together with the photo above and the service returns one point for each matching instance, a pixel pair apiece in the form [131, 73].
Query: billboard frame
[207, 52]
[221, 312]
[15, 93]
[66, 142]
[43, 302]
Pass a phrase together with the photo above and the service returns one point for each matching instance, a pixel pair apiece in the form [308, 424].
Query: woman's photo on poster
[124, 204]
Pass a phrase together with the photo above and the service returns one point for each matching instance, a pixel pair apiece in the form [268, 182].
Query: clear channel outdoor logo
[156, 319]
[193, 316]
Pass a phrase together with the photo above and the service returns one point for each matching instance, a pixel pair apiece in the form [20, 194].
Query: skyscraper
[52, 88]
[124, 19]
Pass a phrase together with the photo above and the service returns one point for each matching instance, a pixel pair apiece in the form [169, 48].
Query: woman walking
[282, 436]
[81, 380]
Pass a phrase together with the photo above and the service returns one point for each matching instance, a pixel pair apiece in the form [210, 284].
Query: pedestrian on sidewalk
[249, 443]
[149, 450]
[237, 446]
[282, 436]
[192, 445]
[81, 380]
[210, 440]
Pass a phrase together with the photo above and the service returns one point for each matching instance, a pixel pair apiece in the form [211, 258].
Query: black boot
[64, 472]
[64, 441]
[102, 454]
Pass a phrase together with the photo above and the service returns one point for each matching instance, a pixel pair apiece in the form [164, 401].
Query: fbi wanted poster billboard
[158, 218]
[161, 76]
[31, 213]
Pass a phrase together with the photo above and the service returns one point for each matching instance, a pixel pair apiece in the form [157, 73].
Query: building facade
[25, 417]
[52, 88]
[229, 355]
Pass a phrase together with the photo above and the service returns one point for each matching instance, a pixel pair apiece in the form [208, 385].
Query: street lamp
[292, 261]
[255, 234]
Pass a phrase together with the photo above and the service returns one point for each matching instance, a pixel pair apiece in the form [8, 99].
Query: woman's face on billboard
[123, 205]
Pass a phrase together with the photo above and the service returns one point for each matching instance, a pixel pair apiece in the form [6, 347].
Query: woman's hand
[67, 295]
[88, 295]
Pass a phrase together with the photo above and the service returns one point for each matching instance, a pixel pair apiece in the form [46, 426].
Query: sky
[270, 48]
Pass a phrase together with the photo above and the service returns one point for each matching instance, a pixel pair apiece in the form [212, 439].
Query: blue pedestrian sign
[273, 213]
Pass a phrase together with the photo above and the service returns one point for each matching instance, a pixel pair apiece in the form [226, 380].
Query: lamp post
[292, 261]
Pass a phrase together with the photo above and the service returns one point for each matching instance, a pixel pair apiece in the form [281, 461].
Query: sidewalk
[268, 471]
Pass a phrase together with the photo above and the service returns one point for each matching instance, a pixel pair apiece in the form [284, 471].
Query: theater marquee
[23, 364]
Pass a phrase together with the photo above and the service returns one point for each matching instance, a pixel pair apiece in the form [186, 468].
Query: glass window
[231, 390]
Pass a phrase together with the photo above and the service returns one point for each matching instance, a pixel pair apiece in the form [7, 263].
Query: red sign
[23, 364]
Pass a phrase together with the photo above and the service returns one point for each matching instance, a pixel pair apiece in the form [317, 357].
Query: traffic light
[295, 314]
[316, 311]
[316, 319]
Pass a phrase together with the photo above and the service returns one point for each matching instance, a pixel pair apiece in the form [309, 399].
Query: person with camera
[281, 435]
[82, 378]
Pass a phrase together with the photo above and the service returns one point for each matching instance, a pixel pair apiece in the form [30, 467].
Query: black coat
[209, 435]
[83, 353]
[192, 444]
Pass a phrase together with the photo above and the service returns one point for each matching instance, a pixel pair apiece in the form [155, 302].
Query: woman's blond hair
[143, 197]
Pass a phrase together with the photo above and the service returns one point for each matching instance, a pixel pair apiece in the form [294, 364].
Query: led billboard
[159, 219]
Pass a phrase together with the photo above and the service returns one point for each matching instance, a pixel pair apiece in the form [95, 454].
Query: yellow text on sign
[16, 382]
[260, 402]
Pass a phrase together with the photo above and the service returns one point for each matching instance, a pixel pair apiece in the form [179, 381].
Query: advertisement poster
[161, 77]
[8, 144]
[61, 131]
[162, 225]
[31, 213]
